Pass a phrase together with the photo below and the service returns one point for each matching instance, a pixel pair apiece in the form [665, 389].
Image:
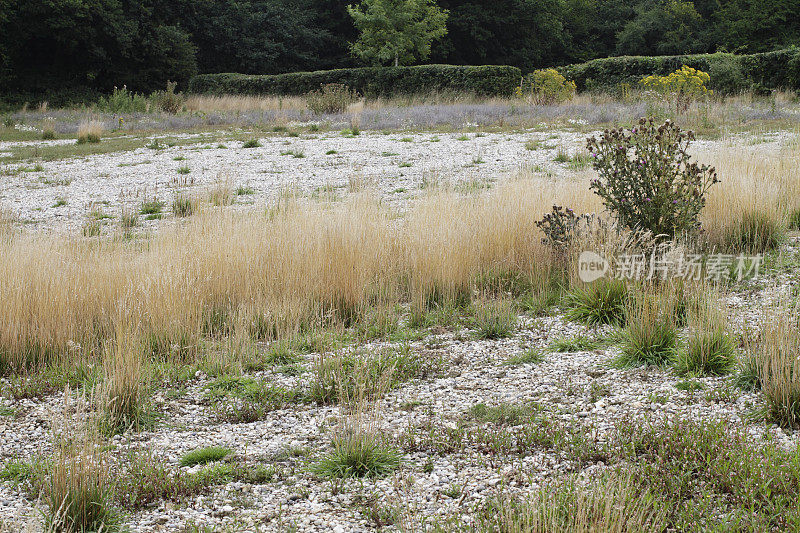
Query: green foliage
[370, 81]
[708, 352]
[728, 73]
[358, 454]
[546, 87]
[647, 180]
[684, 85]
[203, 456]
[168, 100]
[330, 98]
[597, 303]
[396, 31]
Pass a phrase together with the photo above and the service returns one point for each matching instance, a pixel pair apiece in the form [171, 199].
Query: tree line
[47, 45]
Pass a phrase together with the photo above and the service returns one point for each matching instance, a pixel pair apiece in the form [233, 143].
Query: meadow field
[247, 316]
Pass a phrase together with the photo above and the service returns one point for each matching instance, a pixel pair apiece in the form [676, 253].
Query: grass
[125, 388]
[252, 143]
[494, 319]
[598, 303]
[611, 503]
[202, 456]
[774, 364]
[151, 207]
[184, 205]
[358, 454]
[578, 343]
[90, 132]
[78, 491]
[650, 336]
[710, 350]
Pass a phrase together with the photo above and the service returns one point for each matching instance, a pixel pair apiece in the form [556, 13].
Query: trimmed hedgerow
[729, 73]
[490, 80]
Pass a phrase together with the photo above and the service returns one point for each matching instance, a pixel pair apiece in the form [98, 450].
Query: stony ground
[578, 388]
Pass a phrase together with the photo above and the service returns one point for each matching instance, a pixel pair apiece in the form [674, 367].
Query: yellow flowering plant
[546, 86]
[686, 85]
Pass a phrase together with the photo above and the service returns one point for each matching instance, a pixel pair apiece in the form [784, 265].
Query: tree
[528, 34]
[397, 30]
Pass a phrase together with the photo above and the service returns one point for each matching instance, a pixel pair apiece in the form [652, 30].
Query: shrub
[48, 134]
[492, 80]
[647, 180]
[121, 100]
[330, 98]
[203, 456]
[168, 100]
[729, 73]
[358, 454]
[545, 87]
[597, 303]
[560, 227]
[685, 85]
[252, 143]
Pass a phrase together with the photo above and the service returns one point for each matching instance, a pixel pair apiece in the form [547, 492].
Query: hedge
[488, 80]
[729, 73]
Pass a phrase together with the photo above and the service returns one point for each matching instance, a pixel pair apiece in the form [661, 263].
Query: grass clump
[90, 132]
[202, 456]
[710, 350]
[78, 491]
[650, 336]
[252, 143]
[349, 377]
[774, 362]
[755, 232]
[494, 319]
[578, 343]
[598, 303]
[612, 503]
[151, 207]
[125, 389]
[358, 454]
[184, 205]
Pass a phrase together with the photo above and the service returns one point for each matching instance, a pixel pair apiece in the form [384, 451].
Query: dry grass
[612, 505]
[760, 185]
[233, 103]
[307, 264]
[294, 268]
[124, 387]
[775, 359]
[90, 131]
[77, 489]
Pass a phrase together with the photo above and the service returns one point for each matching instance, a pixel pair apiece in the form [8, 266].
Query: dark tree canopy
[94, 45]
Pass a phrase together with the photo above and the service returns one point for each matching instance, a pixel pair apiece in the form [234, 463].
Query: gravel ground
[577, 388]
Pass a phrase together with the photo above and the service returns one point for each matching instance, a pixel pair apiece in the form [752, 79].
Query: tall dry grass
[300, 266]
[774, 359]
[241, 103]
[758, 191]
[307, 264]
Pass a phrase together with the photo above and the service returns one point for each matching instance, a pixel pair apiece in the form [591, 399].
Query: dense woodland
[50, 45]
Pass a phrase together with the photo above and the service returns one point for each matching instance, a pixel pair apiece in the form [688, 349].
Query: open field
[236, 328]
